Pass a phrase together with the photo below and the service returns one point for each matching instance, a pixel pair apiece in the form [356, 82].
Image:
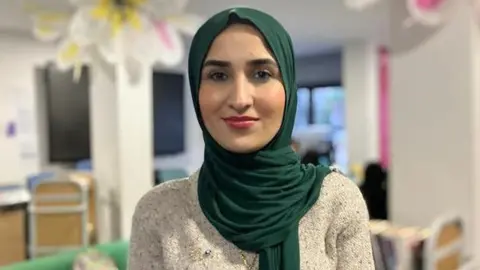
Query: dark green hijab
[256, 200]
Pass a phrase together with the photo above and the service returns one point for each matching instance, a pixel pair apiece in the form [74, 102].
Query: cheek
[271, 103]
[210, 102]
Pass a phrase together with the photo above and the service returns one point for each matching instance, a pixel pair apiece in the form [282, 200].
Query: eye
[262, 75]
[218, 76]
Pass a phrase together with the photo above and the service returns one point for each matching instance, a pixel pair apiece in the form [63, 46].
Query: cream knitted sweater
[170, 231]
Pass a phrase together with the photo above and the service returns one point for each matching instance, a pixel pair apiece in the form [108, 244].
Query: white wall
[435, 116]
[18, 57]
[361, 84]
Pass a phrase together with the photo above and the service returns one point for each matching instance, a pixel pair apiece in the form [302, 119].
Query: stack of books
[397, 247]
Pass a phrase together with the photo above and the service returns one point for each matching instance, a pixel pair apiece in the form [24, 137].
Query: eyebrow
[254, 62]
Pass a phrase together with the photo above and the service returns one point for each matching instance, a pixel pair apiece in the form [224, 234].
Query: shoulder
[341, 189]
[156, 213]
[348, 223]
[343, 199]
[168, 197]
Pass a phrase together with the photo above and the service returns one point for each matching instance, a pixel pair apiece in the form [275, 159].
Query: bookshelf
[438, 247]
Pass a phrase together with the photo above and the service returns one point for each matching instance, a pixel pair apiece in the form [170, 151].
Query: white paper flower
[429, 12]
[48, 25]
[127, 32]
[69, 54]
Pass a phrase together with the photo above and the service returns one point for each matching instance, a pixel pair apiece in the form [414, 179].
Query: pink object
[429, 5]
[384, 107]
[164, 34]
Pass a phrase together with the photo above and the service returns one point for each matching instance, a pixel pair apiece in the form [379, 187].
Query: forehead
[239, 42]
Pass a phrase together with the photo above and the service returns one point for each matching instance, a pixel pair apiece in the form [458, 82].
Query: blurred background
[95, 110]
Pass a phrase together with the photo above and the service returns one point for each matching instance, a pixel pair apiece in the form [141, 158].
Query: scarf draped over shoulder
[256, 200]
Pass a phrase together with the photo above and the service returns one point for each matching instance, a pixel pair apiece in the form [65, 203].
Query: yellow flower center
[119, 13]
[71, 51]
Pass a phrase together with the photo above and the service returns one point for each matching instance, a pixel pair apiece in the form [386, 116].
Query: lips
[240, 122]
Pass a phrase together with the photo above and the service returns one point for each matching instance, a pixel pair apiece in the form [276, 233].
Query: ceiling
[316, 26]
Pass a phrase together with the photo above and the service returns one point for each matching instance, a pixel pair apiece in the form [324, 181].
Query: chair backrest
[58, 217]
[444, 249]
[34, 179]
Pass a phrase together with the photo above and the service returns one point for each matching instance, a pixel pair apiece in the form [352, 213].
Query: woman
[374, 190]
[252, 205]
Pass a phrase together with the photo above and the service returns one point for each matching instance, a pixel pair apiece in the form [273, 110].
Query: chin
[243, 150]
[242, 147]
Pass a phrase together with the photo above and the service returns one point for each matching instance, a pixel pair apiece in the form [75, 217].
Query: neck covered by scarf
[256, 200]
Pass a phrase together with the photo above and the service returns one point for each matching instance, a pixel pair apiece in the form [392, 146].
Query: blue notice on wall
[11, 129]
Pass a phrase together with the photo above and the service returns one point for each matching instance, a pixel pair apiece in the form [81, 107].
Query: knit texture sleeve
[354, 250]
[145, 251]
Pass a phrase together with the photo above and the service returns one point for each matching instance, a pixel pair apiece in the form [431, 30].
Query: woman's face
[241, 96]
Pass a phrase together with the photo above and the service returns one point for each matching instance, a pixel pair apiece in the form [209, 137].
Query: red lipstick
[240, 122]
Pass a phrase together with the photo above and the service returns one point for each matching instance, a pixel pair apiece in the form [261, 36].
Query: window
[324, 106]
[325, 103]
[317, 105]
[303, 108]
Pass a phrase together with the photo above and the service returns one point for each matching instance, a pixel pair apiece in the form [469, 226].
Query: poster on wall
[19, 129]
[25, 126]
[10, 129]
[7, 123]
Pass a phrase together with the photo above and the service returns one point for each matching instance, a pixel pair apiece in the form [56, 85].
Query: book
[397, 247]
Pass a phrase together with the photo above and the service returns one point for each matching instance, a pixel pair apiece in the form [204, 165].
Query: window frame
[311, 104]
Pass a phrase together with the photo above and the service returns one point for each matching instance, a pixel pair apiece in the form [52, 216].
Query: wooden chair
[444, 249]
[58, 217]
[86, 179]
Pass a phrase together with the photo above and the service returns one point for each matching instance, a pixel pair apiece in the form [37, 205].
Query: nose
[241, 97]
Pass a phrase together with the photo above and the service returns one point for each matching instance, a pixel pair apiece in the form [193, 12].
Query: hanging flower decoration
[424, 12]
[428, 12]
[360, 5]
[126, 32]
